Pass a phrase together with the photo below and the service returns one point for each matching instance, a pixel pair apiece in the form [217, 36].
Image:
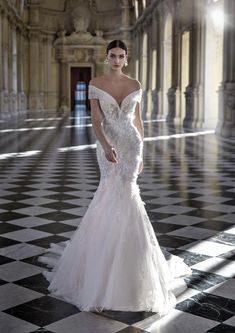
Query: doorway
[79, 76]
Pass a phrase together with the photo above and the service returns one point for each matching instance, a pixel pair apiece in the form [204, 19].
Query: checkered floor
[48, 176]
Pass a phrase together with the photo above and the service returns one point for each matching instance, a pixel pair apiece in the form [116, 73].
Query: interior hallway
[48, 176]
[182, 52]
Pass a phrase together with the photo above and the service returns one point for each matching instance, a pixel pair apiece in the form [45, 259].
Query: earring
[126, 63]
[106, 61]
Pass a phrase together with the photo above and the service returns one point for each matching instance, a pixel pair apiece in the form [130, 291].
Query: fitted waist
[121, 131]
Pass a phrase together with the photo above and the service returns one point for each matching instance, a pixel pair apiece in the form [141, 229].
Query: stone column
[156, 45]
[1, 63]
[5, 45]
[141, 78]
[26, 68]
[145, 70]
[160, 66]
[174, 92]
[138, 36]
[226, 121]
[63, 102]
[10, 69]
[163, 10]
[125, 26]
[140, 7]
[140, 33]
[13, 69]
[49, 102]
[20, 73]
[34, 98]
[34, 58]
[43, 84]
[136, 55]
[194, 92]
[98, 58]
[149, 68]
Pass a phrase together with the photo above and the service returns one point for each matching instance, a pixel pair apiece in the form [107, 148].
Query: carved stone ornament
[80, 16]
[81, 20]
[80, 24]
[99, 37]
[155, 96]
[171, 96]
[79, 55]
[231, 101]
[189, 95]
[6, 99]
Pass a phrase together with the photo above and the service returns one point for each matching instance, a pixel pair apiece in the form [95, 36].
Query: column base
[194, 108]
[173, 96]
[46, 113]
[13, 104]
[36, 101]
[157, 104]
[4, 105]
[51, 100]
[226, 123]
[63, 108]
[154, 94]
[22, 103]
[224, 128]
[189, 96]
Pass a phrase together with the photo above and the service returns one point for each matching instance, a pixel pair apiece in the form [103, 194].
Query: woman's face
[116, 57]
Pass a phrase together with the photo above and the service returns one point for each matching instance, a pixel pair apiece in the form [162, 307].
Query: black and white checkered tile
[48, 176]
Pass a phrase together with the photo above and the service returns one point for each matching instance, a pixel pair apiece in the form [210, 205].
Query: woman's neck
[115, 75]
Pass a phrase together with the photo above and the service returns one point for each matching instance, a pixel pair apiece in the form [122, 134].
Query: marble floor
[48, 176]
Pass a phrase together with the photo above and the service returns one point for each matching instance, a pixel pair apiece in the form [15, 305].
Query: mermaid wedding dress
[113, 260]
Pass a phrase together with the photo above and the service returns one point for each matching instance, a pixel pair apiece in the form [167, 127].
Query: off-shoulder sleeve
[139, 95]
[92, 92]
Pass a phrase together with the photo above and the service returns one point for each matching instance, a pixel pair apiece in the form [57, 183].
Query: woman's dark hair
[116, 43]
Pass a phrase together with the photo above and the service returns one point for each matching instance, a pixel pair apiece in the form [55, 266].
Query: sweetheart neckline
[119, 106]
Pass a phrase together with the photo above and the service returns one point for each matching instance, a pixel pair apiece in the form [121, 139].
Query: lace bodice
[120, 132]
[102, 95]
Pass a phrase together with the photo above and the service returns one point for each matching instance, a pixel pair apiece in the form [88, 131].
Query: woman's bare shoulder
[135, 83]
[99, 81]
[96, 80]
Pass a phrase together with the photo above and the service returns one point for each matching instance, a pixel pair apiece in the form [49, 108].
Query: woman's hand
[141, 166]
[110, 154]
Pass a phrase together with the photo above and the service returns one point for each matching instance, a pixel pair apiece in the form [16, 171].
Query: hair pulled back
[116, 43]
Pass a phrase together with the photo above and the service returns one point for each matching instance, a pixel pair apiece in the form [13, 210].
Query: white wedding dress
[113, 260]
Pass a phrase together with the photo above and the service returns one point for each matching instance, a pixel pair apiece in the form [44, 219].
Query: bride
[113, 260]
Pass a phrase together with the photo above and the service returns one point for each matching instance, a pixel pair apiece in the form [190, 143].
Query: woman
[113, 260]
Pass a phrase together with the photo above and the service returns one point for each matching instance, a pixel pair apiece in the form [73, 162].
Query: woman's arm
[139, 125]
[138, 121]
[96, 119]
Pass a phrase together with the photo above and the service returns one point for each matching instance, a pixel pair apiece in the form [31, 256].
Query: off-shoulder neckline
[119, 106]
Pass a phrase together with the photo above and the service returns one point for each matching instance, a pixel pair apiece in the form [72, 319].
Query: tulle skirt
[113, 260]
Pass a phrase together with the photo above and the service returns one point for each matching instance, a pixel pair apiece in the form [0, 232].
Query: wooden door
[79, 74]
